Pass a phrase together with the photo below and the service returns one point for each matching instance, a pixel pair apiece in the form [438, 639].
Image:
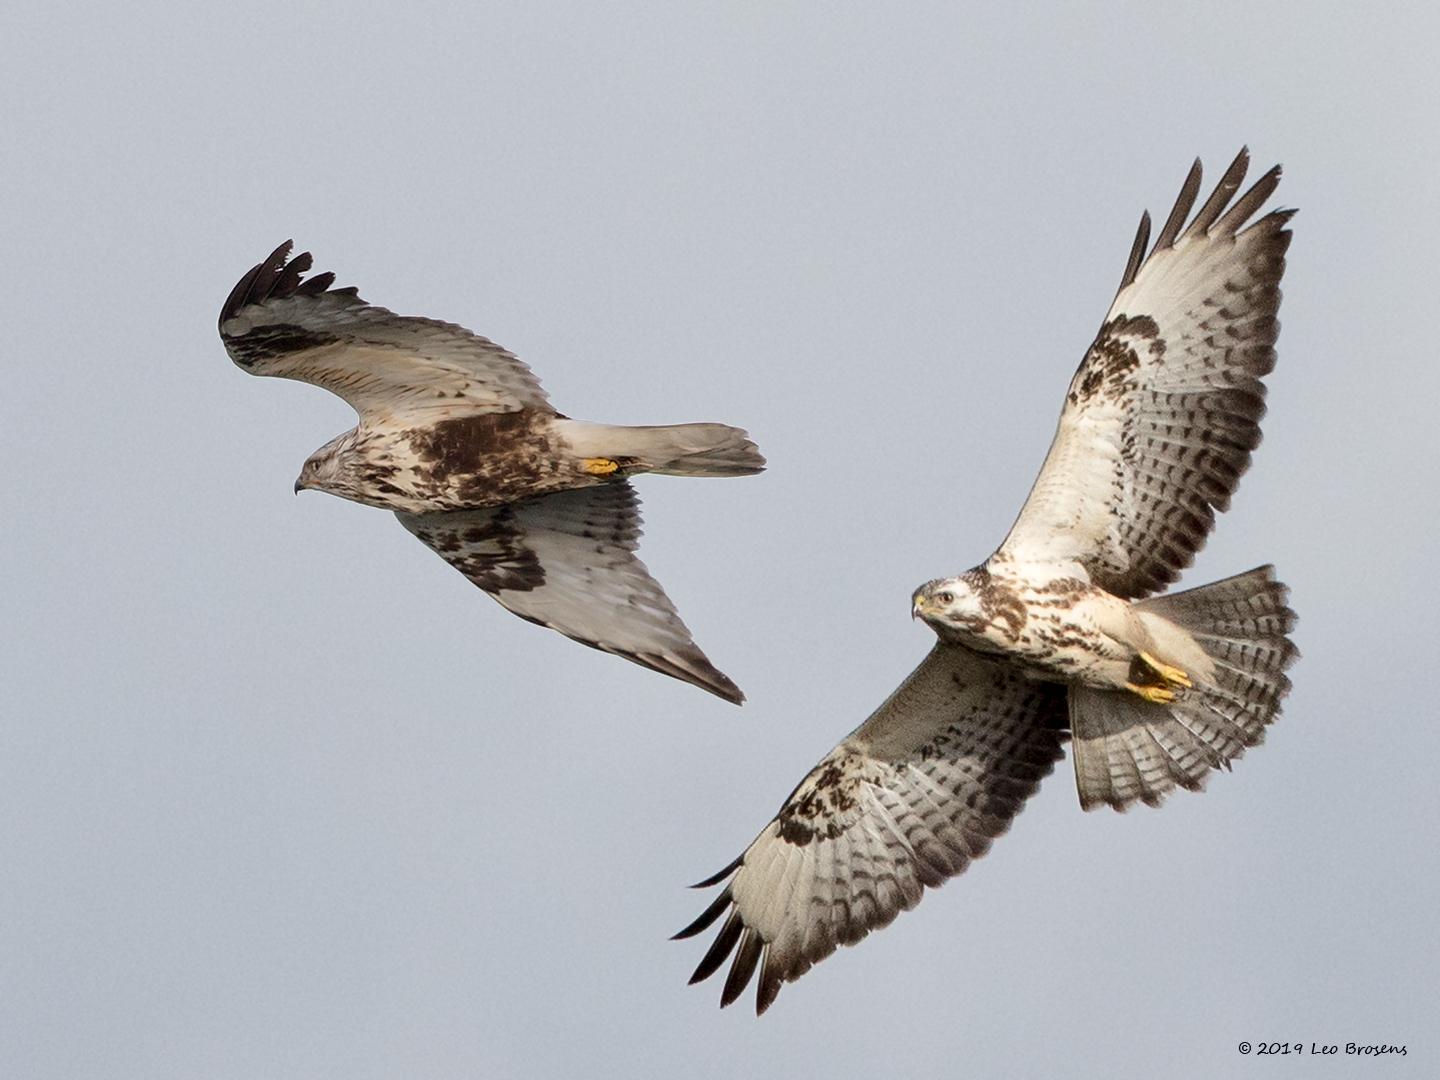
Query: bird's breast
[466, 463]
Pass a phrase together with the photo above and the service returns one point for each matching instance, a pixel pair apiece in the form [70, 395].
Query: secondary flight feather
[456, 437]
[1056, 634]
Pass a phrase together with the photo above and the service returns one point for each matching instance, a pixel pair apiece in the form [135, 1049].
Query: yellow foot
[599, 466]
[1160, 695]
[1173, 676]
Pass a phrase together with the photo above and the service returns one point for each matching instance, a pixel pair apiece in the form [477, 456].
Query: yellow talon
[1172, 675]
[1160, 695]
[600, 466]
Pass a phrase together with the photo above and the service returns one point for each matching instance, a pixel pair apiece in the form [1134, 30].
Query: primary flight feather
[456, 437]
[1053, 636]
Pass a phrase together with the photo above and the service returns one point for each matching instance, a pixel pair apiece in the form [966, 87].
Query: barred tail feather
[1128, 749]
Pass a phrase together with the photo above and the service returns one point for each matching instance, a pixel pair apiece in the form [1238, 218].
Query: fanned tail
[1128, 749]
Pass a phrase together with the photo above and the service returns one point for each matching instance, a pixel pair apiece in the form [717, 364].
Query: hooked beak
[917, 607]
[299, 485]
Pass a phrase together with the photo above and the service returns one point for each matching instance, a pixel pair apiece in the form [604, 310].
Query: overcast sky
[284, 797]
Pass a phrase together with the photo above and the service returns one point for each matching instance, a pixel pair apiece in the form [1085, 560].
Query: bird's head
[331, 468]
[951, 606]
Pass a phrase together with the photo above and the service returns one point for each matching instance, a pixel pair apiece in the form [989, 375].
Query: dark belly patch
[485, 459]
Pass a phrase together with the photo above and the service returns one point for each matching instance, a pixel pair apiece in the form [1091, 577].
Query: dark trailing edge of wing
[277, 278]
[701, 673]
[753, 959]
[1240, 405]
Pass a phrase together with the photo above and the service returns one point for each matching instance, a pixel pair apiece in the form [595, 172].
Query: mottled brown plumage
[457, 437]
[1057, 628]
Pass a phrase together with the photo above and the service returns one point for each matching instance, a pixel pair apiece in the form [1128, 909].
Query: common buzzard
[1053, 635]
[457, 438]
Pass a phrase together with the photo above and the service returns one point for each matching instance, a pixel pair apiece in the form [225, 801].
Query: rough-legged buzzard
[457, 438]
[1053, 634]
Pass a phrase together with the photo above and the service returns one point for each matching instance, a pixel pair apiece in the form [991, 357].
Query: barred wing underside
[1165, 409]
[567, 561]
[906, 801]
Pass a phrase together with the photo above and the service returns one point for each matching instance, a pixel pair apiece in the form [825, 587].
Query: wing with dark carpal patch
[277, 322]
[1161, 418]
[906, 801]
[567, 561]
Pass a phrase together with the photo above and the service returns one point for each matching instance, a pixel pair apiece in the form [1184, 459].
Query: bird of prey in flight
[1059, 633]
[457, 438]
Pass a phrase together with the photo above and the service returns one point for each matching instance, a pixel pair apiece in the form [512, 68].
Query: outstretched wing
[567, 561]
[1162, 415]
[907, 800]
[276, 322]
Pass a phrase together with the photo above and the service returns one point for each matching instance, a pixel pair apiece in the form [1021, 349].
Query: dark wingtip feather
[728, 691]
[743, 969]
[1221, 196]
[720, 948]
[1186, 199]
[1248, 203]
[708, 916]
[319, 284]
[689, 665]
[1137, 250]
[707, 676]
[278, 277]
[768, 990]
[721, 875]
[240, 295]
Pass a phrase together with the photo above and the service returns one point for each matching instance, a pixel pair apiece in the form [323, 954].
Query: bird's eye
[947, 598]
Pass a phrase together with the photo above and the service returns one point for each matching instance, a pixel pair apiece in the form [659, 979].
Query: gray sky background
[284, 797]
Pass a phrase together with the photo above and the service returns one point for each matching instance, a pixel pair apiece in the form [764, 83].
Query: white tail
[674, 449]
[1128, 749]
